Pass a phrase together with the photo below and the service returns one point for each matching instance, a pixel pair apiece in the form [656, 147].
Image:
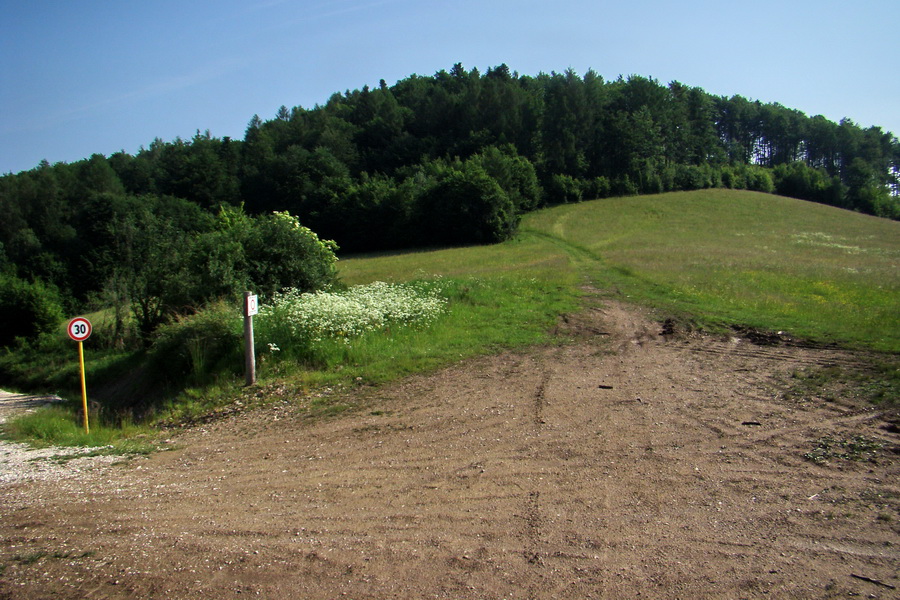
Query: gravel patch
[21, 462]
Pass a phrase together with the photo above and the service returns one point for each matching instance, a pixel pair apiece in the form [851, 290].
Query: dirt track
[626, 465]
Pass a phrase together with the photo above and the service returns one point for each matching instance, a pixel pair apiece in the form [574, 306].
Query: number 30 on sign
[79, 329]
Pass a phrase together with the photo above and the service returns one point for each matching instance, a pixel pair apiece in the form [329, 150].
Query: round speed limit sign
[79, 329]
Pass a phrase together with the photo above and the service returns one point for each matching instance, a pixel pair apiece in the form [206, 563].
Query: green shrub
[564, 189]
[28, 308]
[599, 187]
[691, 177]
[733, 178]
[199, 348]
[623, 186]
[759, 179]
[515, 174]
[466, 206]
[284, 254]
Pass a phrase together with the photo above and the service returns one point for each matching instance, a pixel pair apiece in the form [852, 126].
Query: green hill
[717, 257]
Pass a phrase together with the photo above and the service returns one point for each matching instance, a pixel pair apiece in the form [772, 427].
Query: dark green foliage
[598, 187]
[759, 179]
[466, 206]
[375, 213]
[195, 349]
[199, 170]
[28, 308]
[866, 191]
[624, 186]
[563, 189]
[514, 174]
[801, 181]
[689, 177]
[281, 253]
[167, 271]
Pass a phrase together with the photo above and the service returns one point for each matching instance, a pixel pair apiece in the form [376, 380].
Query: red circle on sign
[79, 329]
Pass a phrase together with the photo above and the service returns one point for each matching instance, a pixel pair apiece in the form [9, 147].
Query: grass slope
[716, 256]
[742, 257]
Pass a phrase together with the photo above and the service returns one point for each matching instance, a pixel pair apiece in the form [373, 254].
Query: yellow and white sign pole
[79, 329]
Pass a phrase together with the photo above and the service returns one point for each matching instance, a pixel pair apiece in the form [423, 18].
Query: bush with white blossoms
[305, 318]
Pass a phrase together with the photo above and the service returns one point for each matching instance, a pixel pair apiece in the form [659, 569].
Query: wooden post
[249, 351]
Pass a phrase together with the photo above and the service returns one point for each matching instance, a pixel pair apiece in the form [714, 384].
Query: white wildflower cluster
[825, 240]
[345, 315]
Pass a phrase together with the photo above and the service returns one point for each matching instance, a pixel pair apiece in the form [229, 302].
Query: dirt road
[626, 465]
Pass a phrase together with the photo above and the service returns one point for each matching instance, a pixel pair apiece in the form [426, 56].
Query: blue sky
[84, 77]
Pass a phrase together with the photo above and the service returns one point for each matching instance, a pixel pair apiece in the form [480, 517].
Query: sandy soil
[626, 465]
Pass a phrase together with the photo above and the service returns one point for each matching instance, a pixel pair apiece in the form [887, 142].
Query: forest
[449, 159]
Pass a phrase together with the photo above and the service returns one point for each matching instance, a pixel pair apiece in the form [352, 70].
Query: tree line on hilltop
[453, 158]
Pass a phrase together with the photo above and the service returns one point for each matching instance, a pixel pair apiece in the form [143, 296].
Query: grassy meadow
[730, 257]
[717, 257]
[491, 304]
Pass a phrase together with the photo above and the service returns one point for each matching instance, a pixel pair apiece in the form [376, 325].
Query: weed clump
[858, 448]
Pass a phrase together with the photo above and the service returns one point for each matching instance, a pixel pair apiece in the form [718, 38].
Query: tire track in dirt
[539, 399]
